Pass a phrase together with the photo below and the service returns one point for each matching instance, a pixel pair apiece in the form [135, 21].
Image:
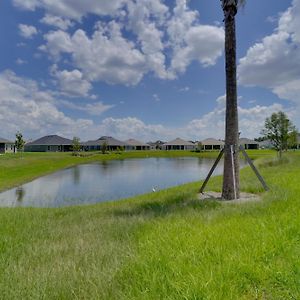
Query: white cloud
[192, 41]
[20, 61]
[133, 128]
[25, 107]
[57, 21]
[57, 42]
[274, 62]
[212, 124]
[94, 109]
[74, 9]
[27, 31]
[161, 42]
[118, 62]
[71, 83]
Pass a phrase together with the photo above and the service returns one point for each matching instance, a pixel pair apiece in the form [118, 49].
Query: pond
[107, 181]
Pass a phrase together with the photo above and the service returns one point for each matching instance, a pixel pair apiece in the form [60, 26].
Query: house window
[48, 148]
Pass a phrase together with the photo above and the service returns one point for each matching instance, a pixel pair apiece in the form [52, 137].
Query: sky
[144, 69]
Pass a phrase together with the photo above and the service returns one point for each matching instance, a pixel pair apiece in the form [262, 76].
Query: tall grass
[164, 245]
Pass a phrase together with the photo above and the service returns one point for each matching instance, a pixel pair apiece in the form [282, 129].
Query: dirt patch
[244, 197]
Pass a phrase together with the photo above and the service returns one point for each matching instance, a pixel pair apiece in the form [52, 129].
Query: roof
[180, 142]
[5, 141]
[246, 141]
[110, 141]
[50, 140]
[212, 141]
[133, 142]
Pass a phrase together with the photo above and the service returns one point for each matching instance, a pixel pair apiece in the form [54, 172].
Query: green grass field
[164, 245]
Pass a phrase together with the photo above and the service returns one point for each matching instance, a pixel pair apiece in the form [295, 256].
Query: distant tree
[280, 131]
[104, 147]
[19, 142]
[293, 139]
[199, 146]
[76, 145]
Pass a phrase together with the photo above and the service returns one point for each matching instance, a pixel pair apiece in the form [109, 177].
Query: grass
[164, 245]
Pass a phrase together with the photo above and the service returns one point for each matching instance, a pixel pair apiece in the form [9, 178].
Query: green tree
[76, 145]
[19, 142]
[293, 139]
[231, 179]
[104, 147]
[280, 131]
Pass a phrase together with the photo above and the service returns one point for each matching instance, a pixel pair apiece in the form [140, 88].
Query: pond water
[107, 181]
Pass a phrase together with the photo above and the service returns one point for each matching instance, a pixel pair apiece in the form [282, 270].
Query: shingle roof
[5, 141]
[50, 140]
[211, 141]
[133, 142]
[110, 141]
[179, 142]
[246, 141]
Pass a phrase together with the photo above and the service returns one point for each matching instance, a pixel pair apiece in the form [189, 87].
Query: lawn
[164, 245]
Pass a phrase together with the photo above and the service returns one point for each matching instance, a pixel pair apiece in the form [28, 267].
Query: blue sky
[146, 69]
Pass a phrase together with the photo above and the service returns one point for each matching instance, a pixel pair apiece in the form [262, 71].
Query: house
[212, 144]
[7, 146]
[248, 144]
[266, 144]
[156, 145]
[49, 143]
[179, 144]
[112, 144]
[137, 145]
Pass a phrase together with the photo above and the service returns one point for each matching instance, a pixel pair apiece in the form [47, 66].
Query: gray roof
[133, 142]
[246, 141]
[212, 141]
[110, 141]
[5, 141]
[50, 140]
[179, 142]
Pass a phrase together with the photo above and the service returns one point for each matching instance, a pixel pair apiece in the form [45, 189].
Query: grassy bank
[16, 169]
[164, 245]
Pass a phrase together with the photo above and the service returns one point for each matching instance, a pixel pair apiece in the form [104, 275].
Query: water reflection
[20, 193]
[107, 180]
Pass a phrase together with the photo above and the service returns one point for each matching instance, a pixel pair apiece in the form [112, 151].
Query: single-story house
[179, 144]
[7, 146]
[156, 145]
[248, 144]
[212, 144]
[111, 143]
[266, 144]
[49, 143]
[137, 145]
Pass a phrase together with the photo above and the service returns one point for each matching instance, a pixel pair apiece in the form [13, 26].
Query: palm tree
[231, 152]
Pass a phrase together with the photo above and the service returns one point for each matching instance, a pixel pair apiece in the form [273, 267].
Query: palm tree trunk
[231, 154]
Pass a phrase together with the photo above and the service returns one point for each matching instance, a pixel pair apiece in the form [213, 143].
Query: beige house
[137, 145]
[212, 144]
[179, 144]
[248, 144]
[7, 146]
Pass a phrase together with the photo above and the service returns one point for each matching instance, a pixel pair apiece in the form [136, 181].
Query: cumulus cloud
[94, 109]
[251, 120]
[27, 31]
[192, 41]
[274, 62]
[71, 83]
[75, 9]
[25, 107]
[161, 42]
[57, 21]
